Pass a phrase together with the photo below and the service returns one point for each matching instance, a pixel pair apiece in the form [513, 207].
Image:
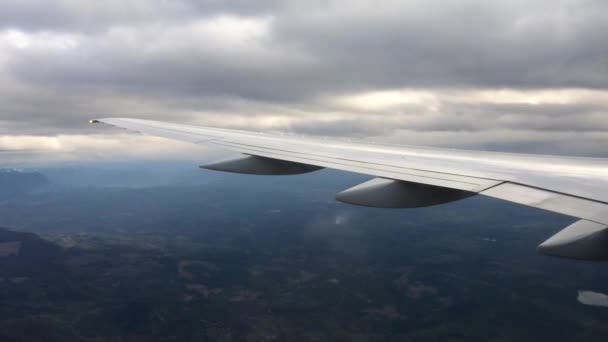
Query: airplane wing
[409, 176]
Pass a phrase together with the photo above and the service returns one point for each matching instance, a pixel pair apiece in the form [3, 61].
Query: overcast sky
[522, 76]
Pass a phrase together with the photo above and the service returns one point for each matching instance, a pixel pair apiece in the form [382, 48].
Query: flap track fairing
[390, 193]
[257, 165]
[585, 240]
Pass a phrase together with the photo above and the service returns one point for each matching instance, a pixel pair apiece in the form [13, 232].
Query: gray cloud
[283, 65]
[515, 43]
[320, 48]
[90, 17]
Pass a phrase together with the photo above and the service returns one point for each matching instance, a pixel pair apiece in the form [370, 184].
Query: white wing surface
[408, 176]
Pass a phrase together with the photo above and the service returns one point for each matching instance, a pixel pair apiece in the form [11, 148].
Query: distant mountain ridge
[15, 182]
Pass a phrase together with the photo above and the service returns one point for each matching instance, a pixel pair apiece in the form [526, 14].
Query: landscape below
[181, 254]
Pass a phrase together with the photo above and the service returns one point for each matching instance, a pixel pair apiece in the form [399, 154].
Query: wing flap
[561, 203]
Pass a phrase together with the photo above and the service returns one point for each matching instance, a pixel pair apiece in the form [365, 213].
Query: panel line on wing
[187, 130]
[367, 162]
[310, 158]
[309, 155]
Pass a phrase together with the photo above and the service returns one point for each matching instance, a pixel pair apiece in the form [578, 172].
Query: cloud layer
[510, 75]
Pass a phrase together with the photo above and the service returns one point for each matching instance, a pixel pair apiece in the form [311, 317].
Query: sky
[520, 76]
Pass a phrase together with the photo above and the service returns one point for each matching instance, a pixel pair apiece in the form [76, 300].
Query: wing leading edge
[408, 176]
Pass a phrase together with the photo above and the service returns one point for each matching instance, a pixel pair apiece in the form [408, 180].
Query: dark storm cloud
[282, 64]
